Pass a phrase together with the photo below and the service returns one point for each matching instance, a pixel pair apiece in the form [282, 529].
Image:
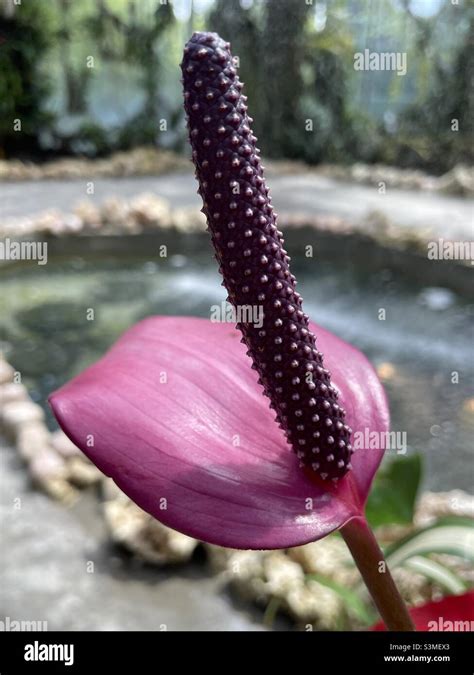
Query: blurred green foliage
[23, 86]
[134, 38]
[427, 125]
[394, 492]
[295, 77]
[296, 59]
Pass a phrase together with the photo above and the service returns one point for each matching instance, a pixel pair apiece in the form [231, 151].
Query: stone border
[54, 463]
[148, 161]
[148, 212]
[457, 181]
[143, 161]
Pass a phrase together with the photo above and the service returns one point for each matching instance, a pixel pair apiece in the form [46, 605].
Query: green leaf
[352, 600]
[271, 611]
[393, 495]
[440, 574]
[454, 537]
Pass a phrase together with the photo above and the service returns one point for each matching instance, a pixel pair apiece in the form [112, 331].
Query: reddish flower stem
[371, 563]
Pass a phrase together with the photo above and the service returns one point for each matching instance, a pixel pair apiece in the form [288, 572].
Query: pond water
[423, 346]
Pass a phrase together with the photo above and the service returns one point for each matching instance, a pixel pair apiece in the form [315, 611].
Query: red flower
[454, 613]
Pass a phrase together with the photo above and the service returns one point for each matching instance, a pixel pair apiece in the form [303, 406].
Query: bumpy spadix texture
[253, 262]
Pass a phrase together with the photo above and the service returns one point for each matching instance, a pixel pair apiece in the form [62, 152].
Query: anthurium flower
[175, 413]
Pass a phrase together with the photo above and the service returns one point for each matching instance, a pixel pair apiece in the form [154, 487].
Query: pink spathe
[174, 414]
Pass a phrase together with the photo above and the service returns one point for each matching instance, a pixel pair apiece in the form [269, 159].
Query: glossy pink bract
[174, 414]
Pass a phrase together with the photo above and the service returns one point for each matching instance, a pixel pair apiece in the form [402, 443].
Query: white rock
[6, 372]
[30, 438]
[47, 464]
[282, 573]
[82, 472]
[148, 210]
[63, 445]
[12, 391]
[17, 413]
[143, 535]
